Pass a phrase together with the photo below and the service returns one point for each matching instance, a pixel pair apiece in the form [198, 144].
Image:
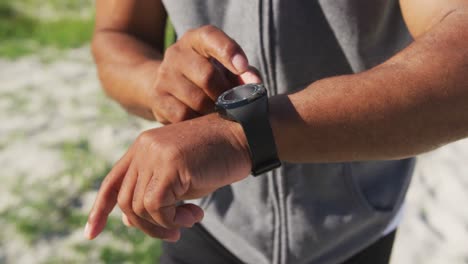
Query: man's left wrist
[247, 105]
[236, 135]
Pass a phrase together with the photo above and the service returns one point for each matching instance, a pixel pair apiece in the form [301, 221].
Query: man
[353, 97]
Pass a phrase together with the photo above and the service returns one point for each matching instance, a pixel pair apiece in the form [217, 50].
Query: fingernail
[250, 77]
[87, 231]
[240, 63]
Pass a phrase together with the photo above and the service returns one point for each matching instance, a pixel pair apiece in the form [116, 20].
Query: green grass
[169, 35]
[21, 34]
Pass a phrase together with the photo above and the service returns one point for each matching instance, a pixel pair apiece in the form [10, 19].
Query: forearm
[127, 69]
[410, 104]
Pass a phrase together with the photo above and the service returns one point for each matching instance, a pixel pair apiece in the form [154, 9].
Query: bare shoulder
[421, 15]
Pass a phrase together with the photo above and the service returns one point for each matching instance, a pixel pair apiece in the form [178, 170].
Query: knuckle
[159, 109]
[149, 203]
[139, 209]
[181, 114]
[188, 34]
[208, 29]
[172, 154]
[200, 102]
[154, 147]
[171, 51]
[145, 139]
[163, 121]
[180, 187]
[164, 75]
[123, 202]
[228, 49]
[207, 76]
[156, 114]
[207, 32]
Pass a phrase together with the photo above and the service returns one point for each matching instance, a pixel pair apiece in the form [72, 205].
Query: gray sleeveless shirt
[304, 213]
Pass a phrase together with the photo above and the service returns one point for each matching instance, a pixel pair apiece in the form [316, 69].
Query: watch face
[241, 95]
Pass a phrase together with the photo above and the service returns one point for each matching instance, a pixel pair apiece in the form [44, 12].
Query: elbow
[96, 51]
[101, 43]
[97, 47]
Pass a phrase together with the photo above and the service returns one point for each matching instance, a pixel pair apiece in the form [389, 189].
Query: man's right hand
[195, 70]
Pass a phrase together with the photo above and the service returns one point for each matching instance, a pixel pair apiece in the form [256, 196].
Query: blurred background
[59, 136]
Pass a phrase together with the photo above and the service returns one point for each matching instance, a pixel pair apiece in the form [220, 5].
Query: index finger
[107, 197]
[211, 42]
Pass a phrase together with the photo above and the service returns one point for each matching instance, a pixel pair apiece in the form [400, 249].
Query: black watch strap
[248, 105]
[261, 144]
[257, 129]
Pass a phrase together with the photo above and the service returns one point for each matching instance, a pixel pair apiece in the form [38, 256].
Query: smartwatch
[248, 105]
